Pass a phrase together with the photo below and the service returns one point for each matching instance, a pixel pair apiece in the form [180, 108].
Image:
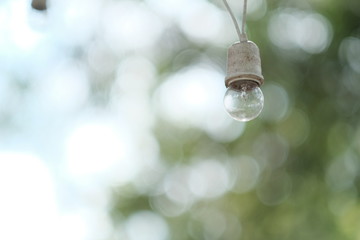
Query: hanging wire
[242, 33]
[244, 17]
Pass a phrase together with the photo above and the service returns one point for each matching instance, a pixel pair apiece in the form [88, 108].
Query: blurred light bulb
[244, 100]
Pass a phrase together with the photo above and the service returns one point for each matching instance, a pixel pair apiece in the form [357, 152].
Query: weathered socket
[244, 63]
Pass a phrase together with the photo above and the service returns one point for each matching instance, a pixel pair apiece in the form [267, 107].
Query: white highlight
[192, 96]
[27, 205]
[17, 37]
[130, 26]
[74, 22]
[277, 105]
[209, 179]
[350, 52]
[245, 172]
[146, 225]
[98, 148]
[290, 29]
[177, 190]
[202, 22]
[64, 88]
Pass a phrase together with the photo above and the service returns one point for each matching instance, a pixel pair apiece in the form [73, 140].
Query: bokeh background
[112, 125]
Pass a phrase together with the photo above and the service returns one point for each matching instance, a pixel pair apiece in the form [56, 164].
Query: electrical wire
[244, 17]
[233, 18]
[242, 33]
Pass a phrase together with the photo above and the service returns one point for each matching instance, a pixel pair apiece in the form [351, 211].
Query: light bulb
[244, 100]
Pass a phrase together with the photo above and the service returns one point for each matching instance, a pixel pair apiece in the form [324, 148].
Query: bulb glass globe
[244, 100]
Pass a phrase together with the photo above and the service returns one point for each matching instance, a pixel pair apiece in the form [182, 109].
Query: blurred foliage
[294, 198]
[292, 173]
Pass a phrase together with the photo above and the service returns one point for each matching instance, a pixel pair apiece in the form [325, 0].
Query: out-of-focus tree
[291, 174]
[127, 95]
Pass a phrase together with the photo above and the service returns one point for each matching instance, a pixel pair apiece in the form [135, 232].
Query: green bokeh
[294, 198]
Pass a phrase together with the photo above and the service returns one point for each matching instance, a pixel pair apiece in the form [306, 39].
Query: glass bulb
[244, 100]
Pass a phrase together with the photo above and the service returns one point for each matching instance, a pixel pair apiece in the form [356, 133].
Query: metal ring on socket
[249, 77]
